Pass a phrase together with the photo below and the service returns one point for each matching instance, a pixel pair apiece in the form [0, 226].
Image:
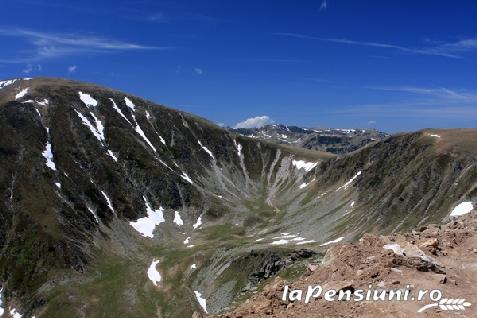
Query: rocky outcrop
[435, 257]
[272, 263]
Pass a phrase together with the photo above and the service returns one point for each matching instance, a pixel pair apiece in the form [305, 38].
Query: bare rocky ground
[440, 257]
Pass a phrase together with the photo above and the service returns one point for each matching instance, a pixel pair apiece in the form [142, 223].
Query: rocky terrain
[442, 257]
[337, 141]
[114, 206]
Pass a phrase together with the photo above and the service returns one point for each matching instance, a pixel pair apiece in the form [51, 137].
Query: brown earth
[440, 257]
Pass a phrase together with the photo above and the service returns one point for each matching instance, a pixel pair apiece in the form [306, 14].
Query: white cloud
[48, 45]
[72, 68]
[372, 122]
[324, 5]
[254, 122]
[198, 71]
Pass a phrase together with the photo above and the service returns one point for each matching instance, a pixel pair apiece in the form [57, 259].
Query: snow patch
[119, 111]
[48, 154]
[304, 184]
[111, 154]
[284, 236]
[58, 185]
[301, 164]
[44, 102]
[87, 99]
[193, 266]
[238, 147]
[186, 177]
[306, 242]
[339, 239]
[347, 184]
[4, 84]
[279, 242]
[187, 240]
[14, 313]
[202, 301]
[94, 214]
[206, 150]
[2, 310]
[198, 224]
[22, 93]
[152, 273]
[436, 136]
[348, 131]
[177, 218]
[99, 127]
[143, 136]
[462, 208]
[108, 200]
[97, 130]
[145, 226]
[130, 104]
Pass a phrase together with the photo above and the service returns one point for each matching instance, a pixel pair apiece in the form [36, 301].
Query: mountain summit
[115, 206]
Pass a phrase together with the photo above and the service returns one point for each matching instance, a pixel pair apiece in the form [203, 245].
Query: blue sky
[392, 65]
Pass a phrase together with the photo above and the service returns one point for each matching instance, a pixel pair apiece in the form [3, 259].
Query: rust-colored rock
[436, 257]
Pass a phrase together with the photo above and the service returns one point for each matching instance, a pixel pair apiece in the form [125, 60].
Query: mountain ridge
[334, 140]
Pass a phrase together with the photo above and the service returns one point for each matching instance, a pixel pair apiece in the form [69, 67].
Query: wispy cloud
[198, 71]
[324, 5]
[30, 68]
[45, 45]
[440, 93]
[450, 50]
[273, 60]
[408, 109]
[421, 102]
[158, 17]
[254, 122]
[72, 68]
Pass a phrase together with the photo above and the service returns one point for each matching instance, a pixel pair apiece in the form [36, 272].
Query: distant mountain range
[337, 141]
